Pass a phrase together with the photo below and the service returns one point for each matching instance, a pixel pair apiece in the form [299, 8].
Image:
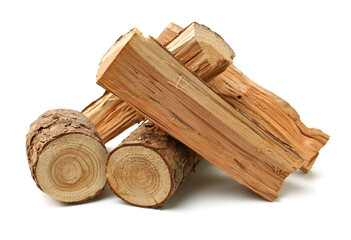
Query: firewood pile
[193, 104]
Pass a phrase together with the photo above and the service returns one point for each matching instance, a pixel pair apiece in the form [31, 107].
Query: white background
[300, 50]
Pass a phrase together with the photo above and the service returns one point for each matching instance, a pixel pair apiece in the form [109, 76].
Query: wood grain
[148, 77]
[148, 167]
[200, 49]
[66, 156]
[272, 113]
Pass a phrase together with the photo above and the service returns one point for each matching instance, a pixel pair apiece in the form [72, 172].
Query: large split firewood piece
[148, 77]
[270, 111]
[149, 166]
[66, 156]
[199, 48]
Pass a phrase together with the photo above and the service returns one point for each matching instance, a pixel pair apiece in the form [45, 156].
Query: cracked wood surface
[144, 74]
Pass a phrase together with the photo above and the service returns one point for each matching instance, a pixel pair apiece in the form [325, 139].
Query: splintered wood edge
[71, 168]
[205, 37]
[111, 54]
[139, 175]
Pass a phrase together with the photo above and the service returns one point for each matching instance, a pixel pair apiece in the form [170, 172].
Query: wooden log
[277, 115]
[66, 156]
[145, 75]
[147, 168]
[199, 48]
[272, 113]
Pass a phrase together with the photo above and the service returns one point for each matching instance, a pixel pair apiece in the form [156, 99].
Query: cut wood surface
[148, 166]
[145, 75]
[200, 49]
[271, 112]
[66, 156]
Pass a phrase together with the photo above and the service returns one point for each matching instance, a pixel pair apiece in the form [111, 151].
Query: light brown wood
[66, 156]
[111, 115]
[145, 75]
[169, 33]
[165, 158]
[272, 113]
[200, 49]
[148, 167]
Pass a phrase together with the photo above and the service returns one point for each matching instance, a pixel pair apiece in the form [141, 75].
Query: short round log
[147, 168]
[66, 156]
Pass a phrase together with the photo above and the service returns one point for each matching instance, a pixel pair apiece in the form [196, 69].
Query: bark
[125, 181]
[52, 126]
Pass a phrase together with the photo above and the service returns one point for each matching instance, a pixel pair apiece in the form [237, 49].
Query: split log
[162, 89]
[272, 113]
[200, 49]
[66, 156]
[111, 115]
[148, 166]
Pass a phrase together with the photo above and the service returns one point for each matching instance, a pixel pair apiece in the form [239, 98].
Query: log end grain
[66, 156]
[139, 175]
[148, 167]
[202, 51]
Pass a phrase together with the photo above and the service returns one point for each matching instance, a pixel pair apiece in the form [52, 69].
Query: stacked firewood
[193, 102]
